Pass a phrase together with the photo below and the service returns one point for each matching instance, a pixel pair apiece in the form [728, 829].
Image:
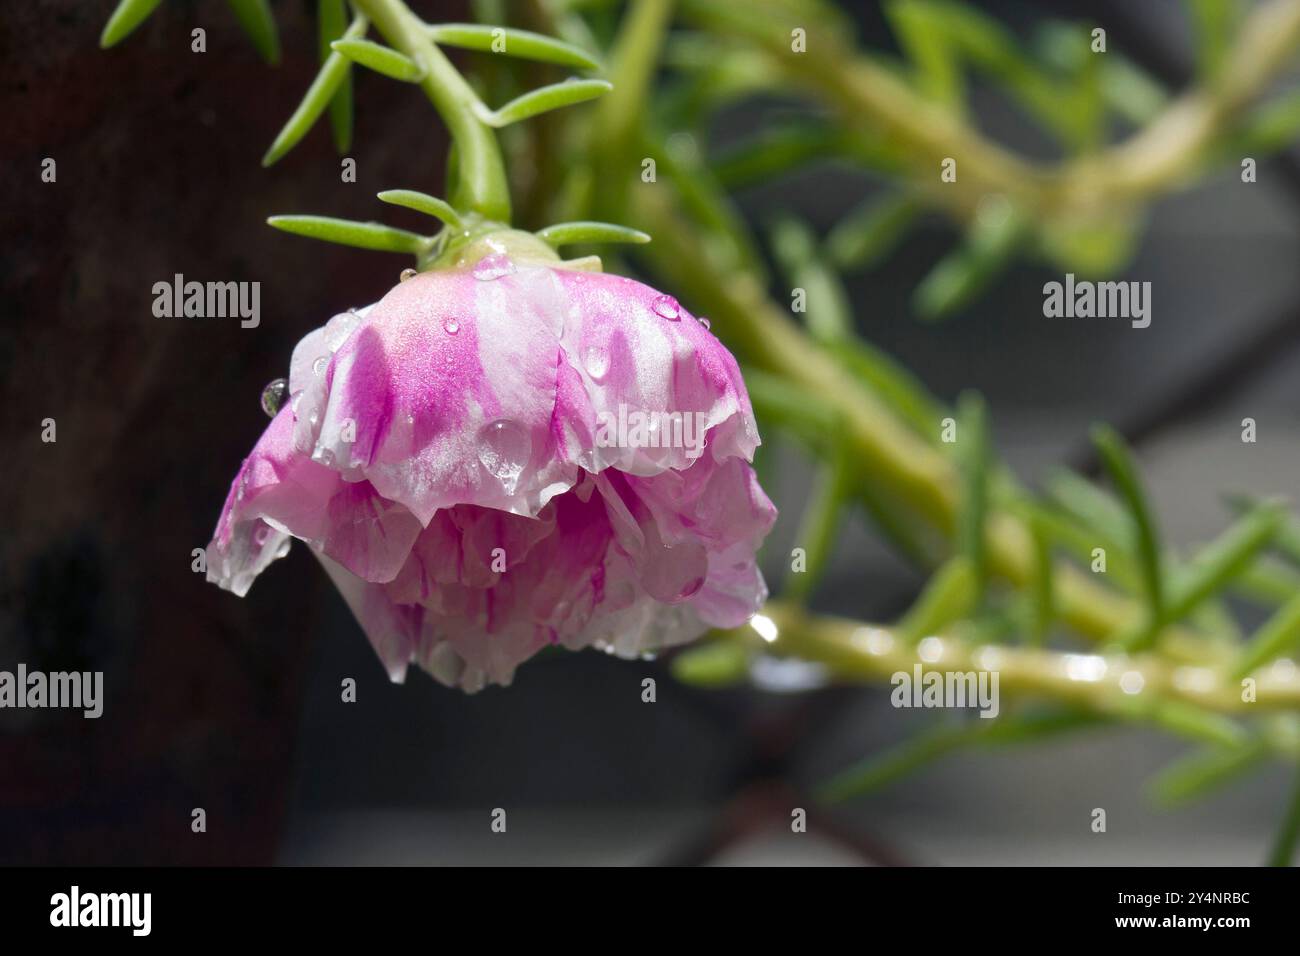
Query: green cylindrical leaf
[868, 233]
[828, 315]
[259, 23]
[128, 15]
[331, 23]
[1092, 505]
[547, 98]
[380, 58]
[363, 235]
[882, 769]
[568, 233]
[1275, 637]
[820, 524]
[1119, 464]
[1204, 771]
[510, 42]
[1224, 559]
[995, 233]
[317, 98]
[422, 202]
[948, 595]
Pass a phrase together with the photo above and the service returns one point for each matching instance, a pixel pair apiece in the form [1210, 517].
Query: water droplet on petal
[504, 450]
[314, 417]
[452, 326]
[261, 534]
[324, 456]
[273, 396]
[320, 365]
[596, 361]
[407, 274]
[283, 549]
[493, 267]
[705, 322]
[667, 307]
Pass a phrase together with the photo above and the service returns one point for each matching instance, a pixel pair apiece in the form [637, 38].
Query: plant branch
[482, 187]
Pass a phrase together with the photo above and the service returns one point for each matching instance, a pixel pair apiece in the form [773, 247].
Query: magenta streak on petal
[368, 399]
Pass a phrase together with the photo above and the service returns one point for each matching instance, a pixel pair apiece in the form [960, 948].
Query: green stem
[482, 185]
[1145, 686]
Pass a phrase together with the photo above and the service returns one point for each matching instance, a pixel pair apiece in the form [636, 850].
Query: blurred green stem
[1156, 159]
[854, 651]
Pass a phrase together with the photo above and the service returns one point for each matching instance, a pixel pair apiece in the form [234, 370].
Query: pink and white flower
[439, 453]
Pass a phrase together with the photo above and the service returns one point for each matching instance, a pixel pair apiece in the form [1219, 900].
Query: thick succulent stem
[482, 186]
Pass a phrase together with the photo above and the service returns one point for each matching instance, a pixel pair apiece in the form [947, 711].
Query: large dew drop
[493, 267]
[666, 306]
[273, 396]
[504, 449]
[596, 361]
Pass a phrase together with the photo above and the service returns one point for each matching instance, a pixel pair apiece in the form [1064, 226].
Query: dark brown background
[158, 152]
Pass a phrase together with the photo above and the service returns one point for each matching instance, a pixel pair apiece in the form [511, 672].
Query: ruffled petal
[490, 465]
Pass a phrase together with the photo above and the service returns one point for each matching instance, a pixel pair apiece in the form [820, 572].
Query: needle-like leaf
[331, 76]
[1205, 770]
[331, 23]
[128, 15]
[363, 235]
[973, 462]
[259, 23]
[422, 202]
[568, 233]
[882, 769]
[1279, 634]
[868, 233]
[948, 596]
[380, 58]
[510, 42]
[993, 238]
[543, 100]
[821, 523]
[1119, 464]
[827, 314]
[1224, 559]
